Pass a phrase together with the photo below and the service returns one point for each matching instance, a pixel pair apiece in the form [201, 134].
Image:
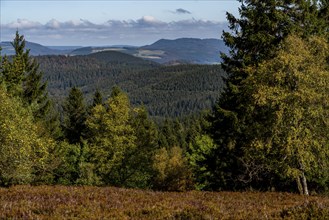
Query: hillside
[186, 50]
[179, 51]
[165, 90]
[35, 49]
[170, 52]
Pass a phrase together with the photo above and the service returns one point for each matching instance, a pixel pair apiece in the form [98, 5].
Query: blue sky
[110, 22]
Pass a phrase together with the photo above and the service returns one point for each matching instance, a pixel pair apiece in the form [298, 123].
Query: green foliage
[113, 136]
[52, 122]
[68, 156]
[172, 170]
[166, 91]
[197, 155]
[292, 90]
[97, 99]
[24, 79]
[24, 152]
[75, 114]
[138, 162]
[255, 37]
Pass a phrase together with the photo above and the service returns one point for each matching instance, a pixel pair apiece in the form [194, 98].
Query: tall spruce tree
[254, 37]
[23, 78]
[75, 115]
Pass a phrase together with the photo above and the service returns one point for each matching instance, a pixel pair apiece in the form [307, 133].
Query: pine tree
[75, 115]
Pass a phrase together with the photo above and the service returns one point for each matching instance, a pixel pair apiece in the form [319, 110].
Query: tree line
[268, 130]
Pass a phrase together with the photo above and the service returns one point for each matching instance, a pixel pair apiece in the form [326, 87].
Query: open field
[61, 202]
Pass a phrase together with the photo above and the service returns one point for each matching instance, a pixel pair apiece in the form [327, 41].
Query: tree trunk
[299, 185]
[304, 182]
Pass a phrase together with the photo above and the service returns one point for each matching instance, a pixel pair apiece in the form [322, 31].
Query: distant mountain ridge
[163, 51]
[188, 50]
[35, 49]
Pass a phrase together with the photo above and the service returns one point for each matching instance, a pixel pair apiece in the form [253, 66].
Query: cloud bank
[142, 31]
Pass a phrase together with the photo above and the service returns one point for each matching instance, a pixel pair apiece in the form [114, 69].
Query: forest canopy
[268, 128]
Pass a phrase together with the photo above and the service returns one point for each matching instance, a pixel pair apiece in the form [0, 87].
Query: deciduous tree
[254, 37]
[293, 88]
[113, 137]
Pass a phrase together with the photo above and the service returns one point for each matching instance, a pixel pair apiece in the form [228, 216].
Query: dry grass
[59, 202]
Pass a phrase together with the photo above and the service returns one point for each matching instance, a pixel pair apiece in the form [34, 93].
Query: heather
[67, 202]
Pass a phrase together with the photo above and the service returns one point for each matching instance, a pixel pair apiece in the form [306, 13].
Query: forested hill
[164, 51]
[164, 90]
[35, 49]
[188, 50]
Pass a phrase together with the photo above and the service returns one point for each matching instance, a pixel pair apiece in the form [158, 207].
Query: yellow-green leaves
[172, 171]
[292, 89]
[23, 153]
[113, 134]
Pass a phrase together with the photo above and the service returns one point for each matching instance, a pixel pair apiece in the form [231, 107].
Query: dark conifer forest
[257, 121]
[166, 91]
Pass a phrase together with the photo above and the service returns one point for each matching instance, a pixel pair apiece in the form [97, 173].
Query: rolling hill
[35, 49]
[184, 50]
[170, 52]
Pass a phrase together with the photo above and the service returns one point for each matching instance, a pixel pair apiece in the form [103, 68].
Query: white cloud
[23, 24]
[53, 24]
[142, 31]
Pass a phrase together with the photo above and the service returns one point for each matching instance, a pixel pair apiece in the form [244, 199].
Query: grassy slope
[59, 202]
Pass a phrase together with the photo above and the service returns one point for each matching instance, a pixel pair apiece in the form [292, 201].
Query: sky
[112, 22]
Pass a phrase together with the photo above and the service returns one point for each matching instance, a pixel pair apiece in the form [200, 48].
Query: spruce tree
[24, 79]
[254, 37]
[75, 115]
[97, 99]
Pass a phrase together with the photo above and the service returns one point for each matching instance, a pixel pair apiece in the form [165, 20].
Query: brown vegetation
[59, 202]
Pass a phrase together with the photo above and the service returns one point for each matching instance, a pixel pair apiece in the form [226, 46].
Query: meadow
[73, 202]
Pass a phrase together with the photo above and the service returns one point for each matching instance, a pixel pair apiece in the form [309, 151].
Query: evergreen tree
[24, 79]
[75, 115]
[255, 37]
[52, 122]
[97, 99]
[138, 162]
